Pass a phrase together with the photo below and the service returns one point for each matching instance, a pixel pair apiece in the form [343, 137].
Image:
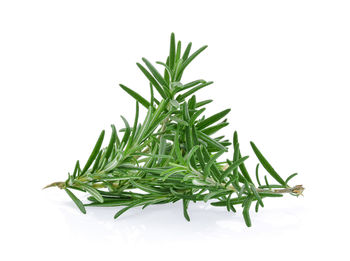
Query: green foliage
[174, 153]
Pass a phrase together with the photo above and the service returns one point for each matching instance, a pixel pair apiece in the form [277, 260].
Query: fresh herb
[173, 154]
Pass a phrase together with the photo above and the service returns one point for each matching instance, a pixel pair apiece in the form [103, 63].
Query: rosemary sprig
[173, 154]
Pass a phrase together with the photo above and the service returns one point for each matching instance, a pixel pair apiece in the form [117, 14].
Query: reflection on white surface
[166, 221]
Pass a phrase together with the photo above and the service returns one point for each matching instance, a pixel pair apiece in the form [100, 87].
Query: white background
[283, 68]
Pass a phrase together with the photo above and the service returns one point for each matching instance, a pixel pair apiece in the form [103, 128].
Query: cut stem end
[58, 184]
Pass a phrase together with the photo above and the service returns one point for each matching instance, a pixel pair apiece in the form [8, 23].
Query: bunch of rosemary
[173, 154]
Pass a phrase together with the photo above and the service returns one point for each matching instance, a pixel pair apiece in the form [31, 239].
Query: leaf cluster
[174, 153]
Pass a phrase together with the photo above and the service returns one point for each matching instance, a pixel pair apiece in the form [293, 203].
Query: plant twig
[174, 153]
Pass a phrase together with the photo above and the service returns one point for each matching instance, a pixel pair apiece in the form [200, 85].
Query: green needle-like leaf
[202, 103]
[233, 166]
[177, 148]
[242, 166]
[120, 212]
[195, 116]
[146, 188]
[215, 194]
[77, 169]
[134, 128]
[267, 165]
[187, 52]
[213, 129]
[256, 194]
[94, 152]
[234, 201]
[257, 174]
[97, 161]
[111, 142]
[172, 51]
[178, 51]
[211, 141]
[182, 97]
[136, 96]
[189, 85]
[257, 207]
[246, 212]
[210, 163]
[290, 177]
[92, 191]
[127, 131]
[152, 80]
[191, 153]
[156, 74]
[185, 203]
[77, 202]
[212, 119]
[189, 60]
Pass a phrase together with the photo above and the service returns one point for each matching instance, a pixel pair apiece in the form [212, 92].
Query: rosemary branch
[173, 154]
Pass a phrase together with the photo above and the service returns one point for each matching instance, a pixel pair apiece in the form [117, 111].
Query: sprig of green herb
[173, 154]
